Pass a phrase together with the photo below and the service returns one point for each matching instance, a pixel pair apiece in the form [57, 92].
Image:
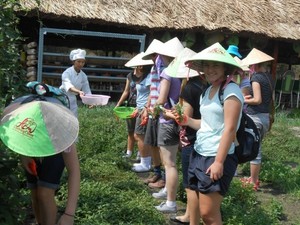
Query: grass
[112, 194]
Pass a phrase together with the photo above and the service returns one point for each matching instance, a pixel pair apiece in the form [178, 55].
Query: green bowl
[123, 112]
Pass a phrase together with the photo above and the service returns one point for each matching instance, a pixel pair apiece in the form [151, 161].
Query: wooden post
[274, 64]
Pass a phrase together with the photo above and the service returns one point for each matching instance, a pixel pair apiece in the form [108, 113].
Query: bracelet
[67, 214]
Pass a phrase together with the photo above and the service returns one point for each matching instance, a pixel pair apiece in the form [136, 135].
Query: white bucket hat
[171, 48]
[177, 67]
[154, 46]
[138, 61]
[77, 54]
[256, 56]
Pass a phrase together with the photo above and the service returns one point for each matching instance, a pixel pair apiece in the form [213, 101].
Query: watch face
[40, 90]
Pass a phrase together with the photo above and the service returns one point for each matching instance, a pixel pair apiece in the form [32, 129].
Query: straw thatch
[272, 18]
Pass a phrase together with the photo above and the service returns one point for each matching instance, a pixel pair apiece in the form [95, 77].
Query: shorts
[151, 132]
[49, 170]
[185, 162]
[140, 130]
[168, 134]
[201, 182]
[130, 125]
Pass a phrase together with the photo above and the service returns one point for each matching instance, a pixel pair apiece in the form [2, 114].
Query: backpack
[45, 92]
[247, 135]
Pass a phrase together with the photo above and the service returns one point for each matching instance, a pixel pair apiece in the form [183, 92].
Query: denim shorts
[201, 182]
[185, 162]
[151, 132]
[168, 134]
[140, 130]
[49, 171]
[130, 125]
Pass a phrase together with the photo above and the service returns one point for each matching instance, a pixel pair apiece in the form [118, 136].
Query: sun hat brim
[170, 48]
[256, 56]
[239, 61]
[178, 69]
[215, 53]
[138, 61]
[234, 50]
[154, 46]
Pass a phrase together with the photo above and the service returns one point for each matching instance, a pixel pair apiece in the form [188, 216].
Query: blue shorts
[201, 182]
[185, 162]
[49, 170]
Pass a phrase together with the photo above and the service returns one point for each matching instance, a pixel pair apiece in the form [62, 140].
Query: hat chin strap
[228, 79]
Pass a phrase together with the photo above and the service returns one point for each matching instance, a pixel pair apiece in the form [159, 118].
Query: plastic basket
[123, 112]
[91, 99]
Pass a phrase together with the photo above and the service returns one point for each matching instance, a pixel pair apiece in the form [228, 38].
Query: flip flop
[174, 219]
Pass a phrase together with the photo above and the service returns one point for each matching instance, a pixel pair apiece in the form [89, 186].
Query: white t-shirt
[212, 120]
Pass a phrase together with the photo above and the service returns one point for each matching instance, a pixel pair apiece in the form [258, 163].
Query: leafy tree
[11, 82]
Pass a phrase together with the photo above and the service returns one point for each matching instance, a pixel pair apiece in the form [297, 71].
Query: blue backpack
[247, 135]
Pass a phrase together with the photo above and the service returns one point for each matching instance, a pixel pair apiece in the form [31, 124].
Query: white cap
[77, 54]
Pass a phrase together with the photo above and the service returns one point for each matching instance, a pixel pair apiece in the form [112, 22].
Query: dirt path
[290, 206]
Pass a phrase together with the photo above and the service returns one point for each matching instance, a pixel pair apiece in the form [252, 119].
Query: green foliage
[11, 72]
[11, 79]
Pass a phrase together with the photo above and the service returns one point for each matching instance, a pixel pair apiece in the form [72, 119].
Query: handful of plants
[179, 110]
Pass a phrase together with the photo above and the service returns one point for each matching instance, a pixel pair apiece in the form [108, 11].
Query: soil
[265, 195]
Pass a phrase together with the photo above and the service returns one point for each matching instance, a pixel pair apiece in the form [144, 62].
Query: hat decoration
[256, 56]
[77, 54]
[214, 52]
[138, 61]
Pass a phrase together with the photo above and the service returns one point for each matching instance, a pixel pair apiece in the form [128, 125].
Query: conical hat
[171, 48]
[256, 56]
[38, 128]
[178, 69]
[138, 61]
[239, 61]
[214, 52]
[152, 48]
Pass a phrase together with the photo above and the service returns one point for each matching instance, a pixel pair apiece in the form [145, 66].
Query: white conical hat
[138, 61]
[171, 48]
[178, 69]
[152, 48]
[256, 56]
[240, 62]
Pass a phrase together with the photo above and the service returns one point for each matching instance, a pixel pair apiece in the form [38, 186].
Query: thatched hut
[270, 25]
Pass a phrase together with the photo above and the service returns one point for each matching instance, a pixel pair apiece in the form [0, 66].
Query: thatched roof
[273, 18]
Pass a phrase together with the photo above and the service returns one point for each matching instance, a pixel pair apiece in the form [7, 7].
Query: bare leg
[130, 141]
[47, 205]
[193, 205]
[35, 206]
[169, 154]
[210, 208]
[254, 171]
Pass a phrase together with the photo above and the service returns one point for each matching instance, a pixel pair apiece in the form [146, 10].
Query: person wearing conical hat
[192, 87]
[167, 134]
[74, 80]
[259, 101]
[213, 162]
[129, 96]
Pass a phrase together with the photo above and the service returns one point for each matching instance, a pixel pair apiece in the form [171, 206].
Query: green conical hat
[213, 53]
[39, 129]
[178, 69]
